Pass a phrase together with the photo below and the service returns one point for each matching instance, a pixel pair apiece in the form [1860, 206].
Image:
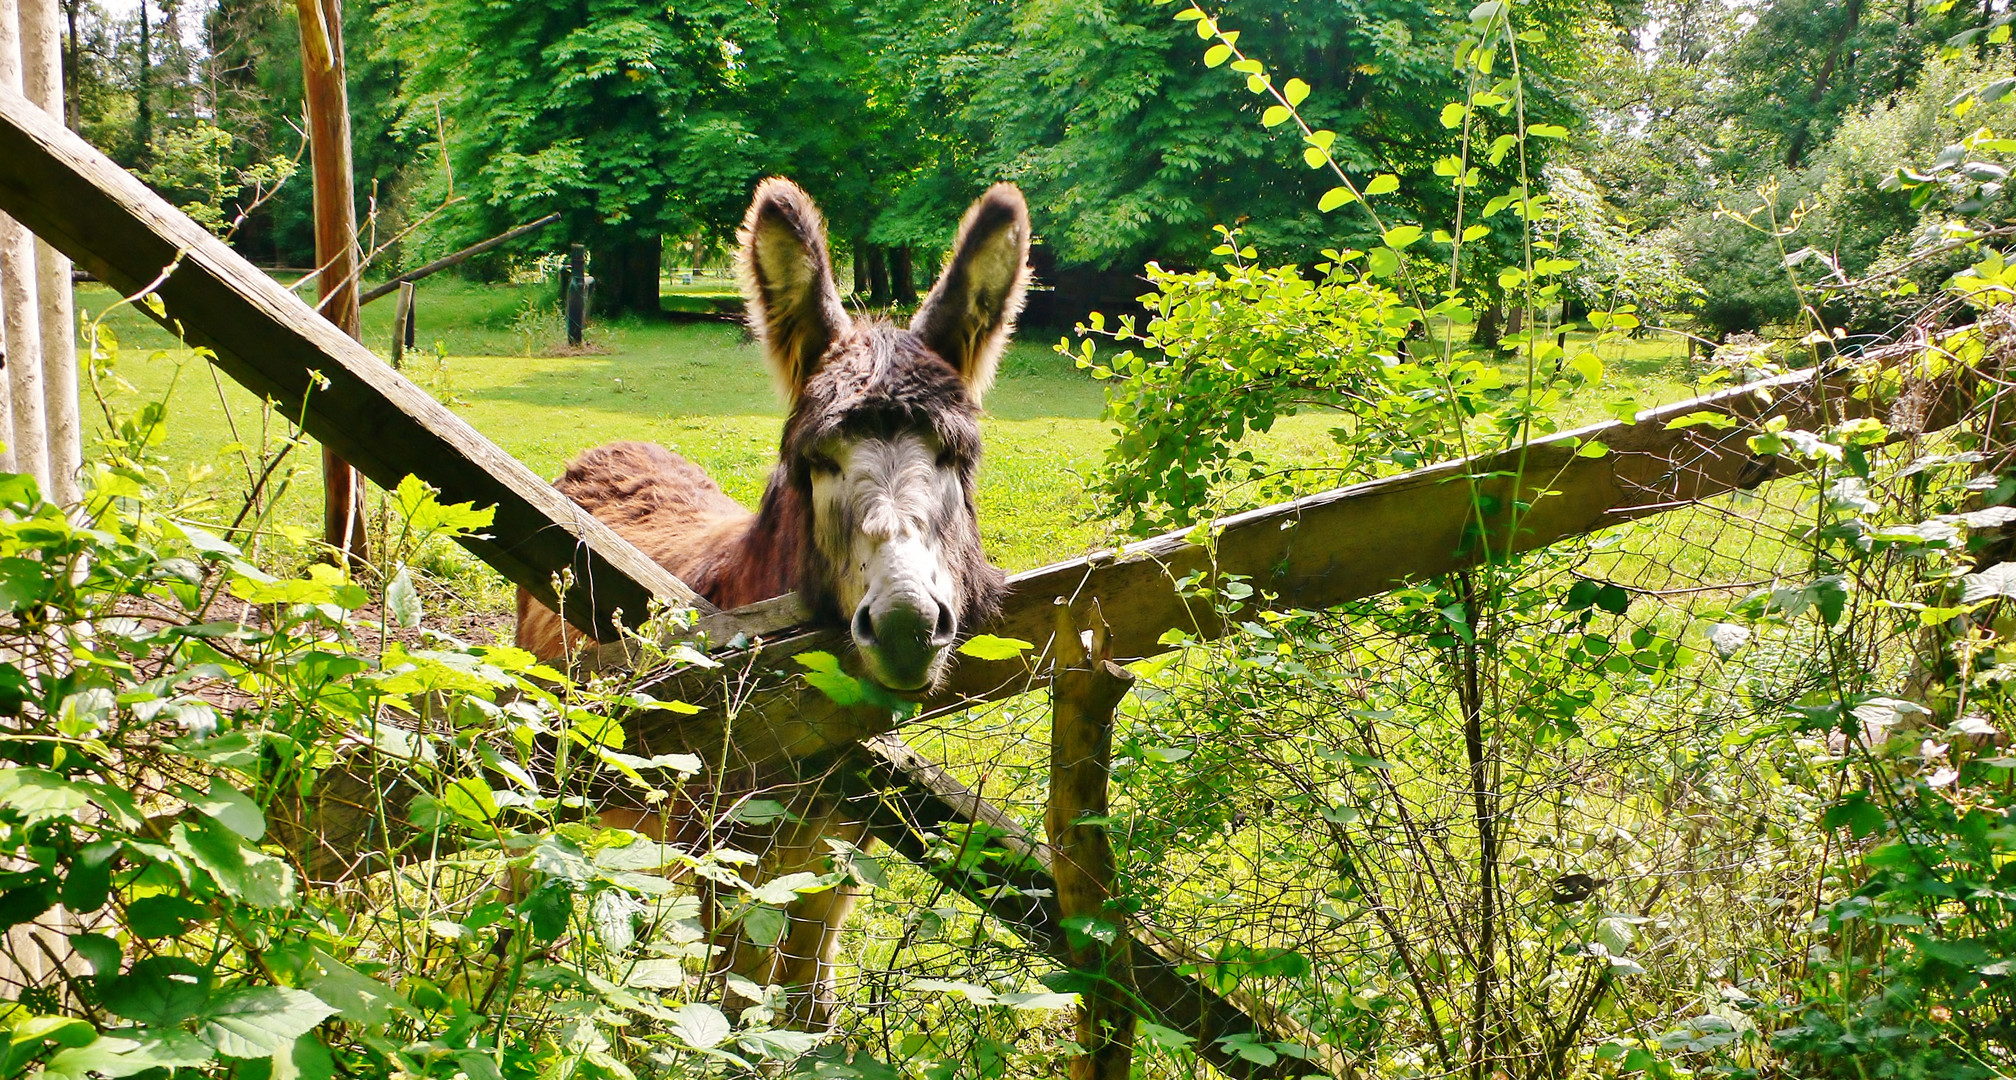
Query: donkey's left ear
[971, 311]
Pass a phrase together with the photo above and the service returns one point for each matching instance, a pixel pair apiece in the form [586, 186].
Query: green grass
[700, 389]
[489, 352]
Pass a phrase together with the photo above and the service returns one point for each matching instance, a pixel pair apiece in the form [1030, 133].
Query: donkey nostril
[863, 627]
[947, 628]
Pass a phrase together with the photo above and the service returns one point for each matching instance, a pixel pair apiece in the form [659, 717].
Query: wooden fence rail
[267, 339]
[1312, 553]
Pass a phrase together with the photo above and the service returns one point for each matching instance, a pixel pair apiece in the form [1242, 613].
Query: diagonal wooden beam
[905, 798]
[274, 344]
[1313, 553]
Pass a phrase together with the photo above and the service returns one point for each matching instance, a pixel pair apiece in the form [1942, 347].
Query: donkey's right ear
[787, 280]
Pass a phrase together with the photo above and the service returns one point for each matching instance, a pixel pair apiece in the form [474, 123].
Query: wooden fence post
[1084, 691]
[402, 325]
[336, 255]
[577, 293]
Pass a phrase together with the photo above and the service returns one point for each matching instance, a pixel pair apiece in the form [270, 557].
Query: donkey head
[883, 442]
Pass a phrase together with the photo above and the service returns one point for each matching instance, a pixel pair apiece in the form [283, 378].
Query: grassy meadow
[495, 354]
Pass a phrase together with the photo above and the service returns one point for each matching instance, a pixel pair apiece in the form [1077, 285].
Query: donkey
[869, 513]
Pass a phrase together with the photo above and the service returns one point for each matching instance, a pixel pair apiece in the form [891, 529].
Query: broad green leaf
[1295, 91]
[232, 807]
[402, 600]
[1400, 236]
[1453, 114]
[1382, 262]
[1217, 54]
[1275, 116]
[1382, 184]
[261, 1021]
[39, 795]
[1334, 198]
[112, 1056]
[1997, 580]
[989, 647]
[700, 1025]
[160, 991]
[765, 925]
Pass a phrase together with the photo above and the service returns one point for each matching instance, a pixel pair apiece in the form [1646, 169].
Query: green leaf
[160, 991]
[1453, 114]
[1217, 54]
[252, 876]
[1383, 184]
[989, 647]
[1548, 131]
[765, 925]
[1314, 157]
[1588, 365]
[1275, 116]
[39, 795]
[162, 916]
[1382, 262]
[1997, 580]
[402, 600]
[261, 1021]
[1702, 418]
[1296, 91]
[471, 799]
[1400, 236]
[232, 807]
[114, 1056]
[1334, 198]
[700, 1025]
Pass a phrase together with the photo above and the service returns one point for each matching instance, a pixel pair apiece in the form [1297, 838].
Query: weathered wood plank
[1315, 552]
[267, 339]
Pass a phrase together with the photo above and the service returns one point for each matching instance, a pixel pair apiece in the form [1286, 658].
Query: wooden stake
[1085, 690]
[402, 325]
[328, 106]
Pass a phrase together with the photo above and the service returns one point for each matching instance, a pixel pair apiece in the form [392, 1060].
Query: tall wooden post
[1087, 687]
[402, 325]
[577, 293]
[336, 254]
[42, 77]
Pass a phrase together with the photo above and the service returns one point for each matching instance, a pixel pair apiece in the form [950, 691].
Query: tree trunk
[878, 274]
[336, 254]
[902, 283]
[1490, 325]
[143, 125]
[42, 77]
[626, 276]
[17, 297]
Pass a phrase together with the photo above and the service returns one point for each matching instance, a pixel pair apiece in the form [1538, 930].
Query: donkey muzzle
[903, 641]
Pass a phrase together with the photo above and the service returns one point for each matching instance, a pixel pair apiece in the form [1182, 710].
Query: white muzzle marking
[879, 521]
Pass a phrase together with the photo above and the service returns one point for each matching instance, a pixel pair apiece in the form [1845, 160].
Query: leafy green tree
[1104, 113]
[633, 120]
[1806, 65]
